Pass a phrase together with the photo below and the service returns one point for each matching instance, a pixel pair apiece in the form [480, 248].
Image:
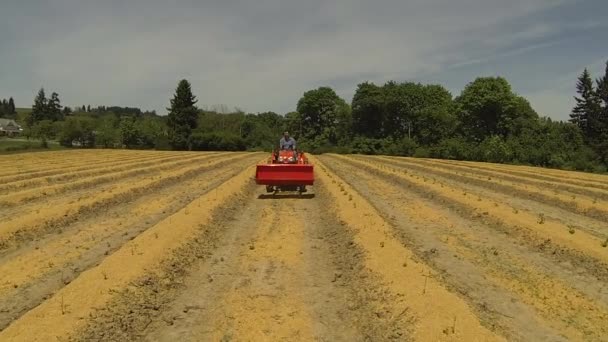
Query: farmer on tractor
[286, 170]
[287, 142]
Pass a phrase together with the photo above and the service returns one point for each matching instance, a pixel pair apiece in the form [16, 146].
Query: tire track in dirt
[57, 260]
[438, 313]
[512, 287]
[53, 217]
[546, 233]
[146, 261]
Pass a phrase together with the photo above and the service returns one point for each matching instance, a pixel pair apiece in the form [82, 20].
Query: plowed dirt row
[90, 179]
[516, 289]
[588, 205]
[556, 185]
[56, 260]
[30, 221]
[165, 246]
[585, 179]
[61, 161]
[70, 174]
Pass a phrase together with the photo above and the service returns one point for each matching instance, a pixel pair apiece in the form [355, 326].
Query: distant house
[9, 127]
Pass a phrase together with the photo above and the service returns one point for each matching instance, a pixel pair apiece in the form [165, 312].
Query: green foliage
[7, 109]
[488, 107]
[324, 116]
[183, 116]
[78, 131]
[44, 130]
[494, 149]
[456, 148]
[200, 141]
[368, 109]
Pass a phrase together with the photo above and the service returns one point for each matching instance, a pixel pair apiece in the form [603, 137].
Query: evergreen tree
[89, 108]
[11, 106]
[600, 141]
[39, 110]
[54, 108]
[602, 93]
[183, 116]
[587, 106]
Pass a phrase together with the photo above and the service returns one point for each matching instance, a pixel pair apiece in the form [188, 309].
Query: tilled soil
[164, 246]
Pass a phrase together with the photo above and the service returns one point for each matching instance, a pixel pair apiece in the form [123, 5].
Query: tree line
[7, 109]
[487, 121]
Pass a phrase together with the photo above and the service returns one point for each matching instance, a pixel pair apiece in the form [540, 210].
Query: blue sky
[262, 55]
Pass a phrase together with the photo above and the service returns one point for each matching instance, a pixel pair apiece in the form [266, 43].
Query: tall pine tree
[183, 116]
[587, 108]
[54, 108]
[600, 142]
[11, 106]
[39, 109]
[602, 92]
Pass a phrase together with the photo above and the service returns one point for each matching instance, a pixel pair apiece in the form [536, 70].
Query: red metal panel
[285, 174]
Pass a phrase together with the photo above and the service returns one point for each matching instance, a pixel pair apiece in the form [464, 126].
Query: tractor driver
[287, 142]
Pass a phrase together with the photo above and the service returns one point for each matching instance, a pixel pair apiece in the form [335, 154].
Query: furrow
[498, 176]
[548, 234]
[137, 263]
[584, 205]
[109, 166]
[53, 217]
[59, 259]
[435, 309]
[514, 288]
[92, 181]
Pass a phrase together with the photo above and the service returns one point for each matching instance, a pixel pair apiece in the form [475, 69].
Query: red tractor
[286, 170]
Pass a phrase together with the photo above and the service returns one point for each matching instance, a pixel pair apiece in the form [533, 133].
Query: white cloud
[263, 55]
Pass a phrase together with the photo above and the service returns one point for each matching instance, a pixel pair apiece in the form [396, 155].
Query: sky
[263, 55]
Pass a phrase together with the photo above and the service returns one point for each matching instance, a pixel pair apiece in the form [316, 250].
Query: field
[183, 246]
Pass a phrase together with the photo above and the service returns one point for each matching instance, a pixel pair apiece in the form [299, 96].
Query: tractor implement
[285, 171]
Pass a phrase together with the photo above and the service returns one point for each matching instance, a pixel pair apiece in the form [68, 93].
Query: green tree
[39, 109]
[44, 131]
[368, 110]
[11, 106]
[587, 108]
[129, 136]
[149, 131]
[183, 116]
[487, 107]
[600, 143]
[53, 108]
[108, 135]
[322, 111]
